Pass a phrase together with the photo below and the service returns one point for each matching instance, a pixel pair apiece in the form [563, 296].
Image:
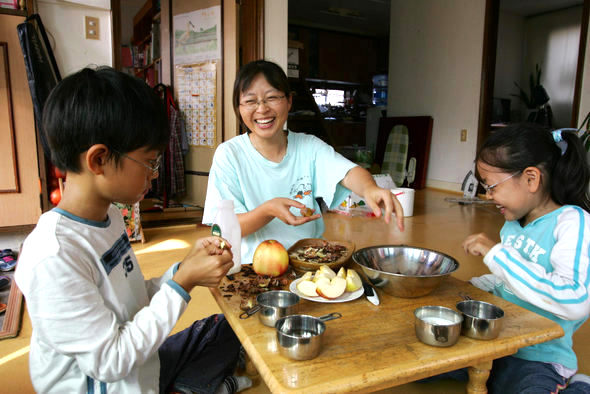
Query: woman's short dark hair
[102, 106]
[522, 145]
[273, 73]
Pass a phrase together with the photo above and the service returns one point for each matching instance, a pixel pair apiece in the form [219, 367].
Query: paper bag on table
[354, 205]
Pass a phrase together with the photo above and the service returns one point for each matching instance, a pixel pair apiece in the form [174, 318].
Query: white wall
[435, 62]
[64, 23]
[276, 15]
[552, 41]
[509, 52]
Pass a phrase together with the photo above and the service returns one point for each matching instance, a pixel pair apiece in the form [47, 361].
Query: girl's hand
[205, 265]
[279, 208]
[378, 198]
[478, 244]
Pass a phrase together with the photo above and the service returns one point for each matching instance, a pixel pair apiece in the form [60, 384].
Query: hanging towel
[396, 154]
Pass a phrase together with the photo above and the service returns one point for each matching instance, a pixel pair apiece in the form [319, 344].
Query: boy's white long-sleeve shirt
[97, 324]
[544, 267]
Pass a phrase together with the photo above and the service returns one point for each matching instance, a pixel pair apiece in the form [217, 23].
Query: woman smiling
[274, 175]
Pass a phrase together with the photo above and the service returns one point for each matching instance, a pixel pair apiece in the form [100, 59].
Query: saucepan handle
[250, 311]
[330, 316]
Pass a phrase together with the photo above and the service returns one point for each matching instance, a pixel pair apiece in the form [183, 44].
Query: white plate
[347, 296]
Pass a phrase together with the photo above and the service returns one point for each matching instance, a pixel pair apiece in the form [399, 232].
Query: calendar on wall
[195, 88]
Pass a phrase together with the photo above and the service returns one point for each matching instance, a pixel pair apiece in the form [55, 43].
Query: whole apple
[270, 258]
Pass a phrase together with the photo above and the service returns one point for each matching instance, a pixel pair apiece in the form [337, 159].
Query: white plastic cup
[406, 197]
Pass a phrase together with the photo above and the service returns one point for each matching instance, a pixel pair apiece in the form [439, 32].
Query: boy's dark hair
[102, 106]
[273, 73]
[523, 145]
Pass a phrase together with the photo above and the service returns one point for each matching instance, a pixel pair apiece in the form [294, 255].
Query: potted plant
[537, 101]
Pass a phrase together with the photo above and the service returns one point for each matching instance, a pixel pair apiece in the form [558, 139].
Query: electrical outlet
[463, 135]
[91, 28]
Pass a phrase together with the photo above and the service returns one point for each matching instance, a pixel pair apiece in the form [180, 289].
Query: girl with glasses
[539, 181]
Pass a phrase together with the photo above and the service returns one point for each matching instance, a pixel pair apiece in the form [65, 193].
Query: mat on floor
[10, 320]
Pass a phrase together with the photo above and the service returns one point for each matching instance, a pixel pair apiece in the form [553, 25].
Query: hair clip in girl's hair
[559, 140]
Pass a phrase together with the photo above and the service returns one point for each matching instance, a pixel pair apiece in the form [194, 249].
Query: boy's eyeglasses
[490, 189]
[154, 165]
[271, 101]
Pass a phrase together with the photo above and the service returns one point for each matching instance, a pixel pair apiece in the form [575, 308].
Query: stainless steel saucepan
[272, 306]
[300, 336]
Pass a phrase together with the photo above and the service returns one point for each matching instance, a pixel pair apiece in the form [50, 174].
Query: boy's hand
[205, 265]
[478, 244]
[378, 198]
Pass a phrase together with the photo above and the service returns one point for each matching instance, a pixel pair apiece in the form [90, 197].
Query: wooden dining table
[375, 347]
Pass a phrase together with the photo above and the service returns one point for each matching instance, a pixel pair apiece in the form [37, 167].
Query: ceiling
[535, 7]
[363, 17]
[371, 17]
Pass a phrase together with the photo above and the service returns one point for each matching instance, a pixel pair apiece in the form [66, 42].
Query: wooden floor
[167, 245]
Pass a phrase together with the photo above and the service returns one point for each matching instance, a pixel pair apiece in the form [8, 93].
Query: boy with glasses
[98, 326]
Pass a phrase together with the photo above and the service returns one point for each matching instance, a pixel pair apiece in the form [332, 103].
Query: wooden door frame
[490, 41]
[251, 31]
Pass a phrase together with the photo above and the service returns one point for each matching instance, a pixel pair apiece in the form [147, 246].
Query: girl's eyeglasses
[271, 101]
[490, 189]
[154, 165]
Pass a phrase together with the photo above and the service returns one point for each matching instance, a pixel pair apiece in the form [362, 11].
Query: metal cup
[273, 305]
[437, 325]
[300, 336]
[481, 320]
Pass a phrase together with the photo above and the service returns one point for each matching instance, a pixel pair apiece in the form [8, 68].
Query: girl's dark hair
[273, 73]
[523, 145]
[102, 106]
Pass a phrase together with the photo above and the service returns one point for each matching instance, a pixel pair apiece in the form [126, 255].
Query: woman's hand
[362, 183]
[378, 198]
[206, 264]
[280, 208]
[478, 244]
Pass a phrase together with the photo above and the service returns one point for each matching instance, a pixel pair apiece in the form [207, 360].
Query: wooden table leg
[478, 376]
[250, 368]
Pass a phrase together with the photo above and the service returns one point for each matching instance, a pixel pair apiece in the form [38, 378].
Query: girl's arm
[362, 183]
[563, 291]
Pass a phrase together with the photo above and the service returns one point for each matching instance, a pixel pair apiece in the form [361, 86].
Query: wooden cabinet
[345, 133]
[339, 56]
[22, 207]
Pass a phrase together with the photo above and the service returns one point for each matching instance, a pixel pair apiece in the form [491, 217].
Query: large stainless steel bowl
[404, 271]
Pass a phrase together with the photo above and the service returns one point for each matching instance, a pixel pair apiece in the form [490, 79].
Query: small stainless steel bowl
[272, 306]
[437, 325]
[481, 320]
[300, 336]
[405, 271]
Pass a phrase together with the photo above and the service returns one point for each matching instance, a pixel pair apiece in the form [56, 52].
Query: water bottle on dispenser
[380, 89]
[227, 222]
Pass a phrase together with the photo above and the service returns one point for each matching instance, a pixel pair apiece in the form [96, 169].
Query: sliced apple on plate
[322, 279]
[332, 289]
[342, 272]
[307, 288]
[324, 269]
[307, 276]
[353, 280]
[319, 275]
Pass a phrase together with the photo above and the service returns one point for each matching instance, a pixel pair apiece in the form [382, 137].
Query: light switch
[91, 28]
[463, 135]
